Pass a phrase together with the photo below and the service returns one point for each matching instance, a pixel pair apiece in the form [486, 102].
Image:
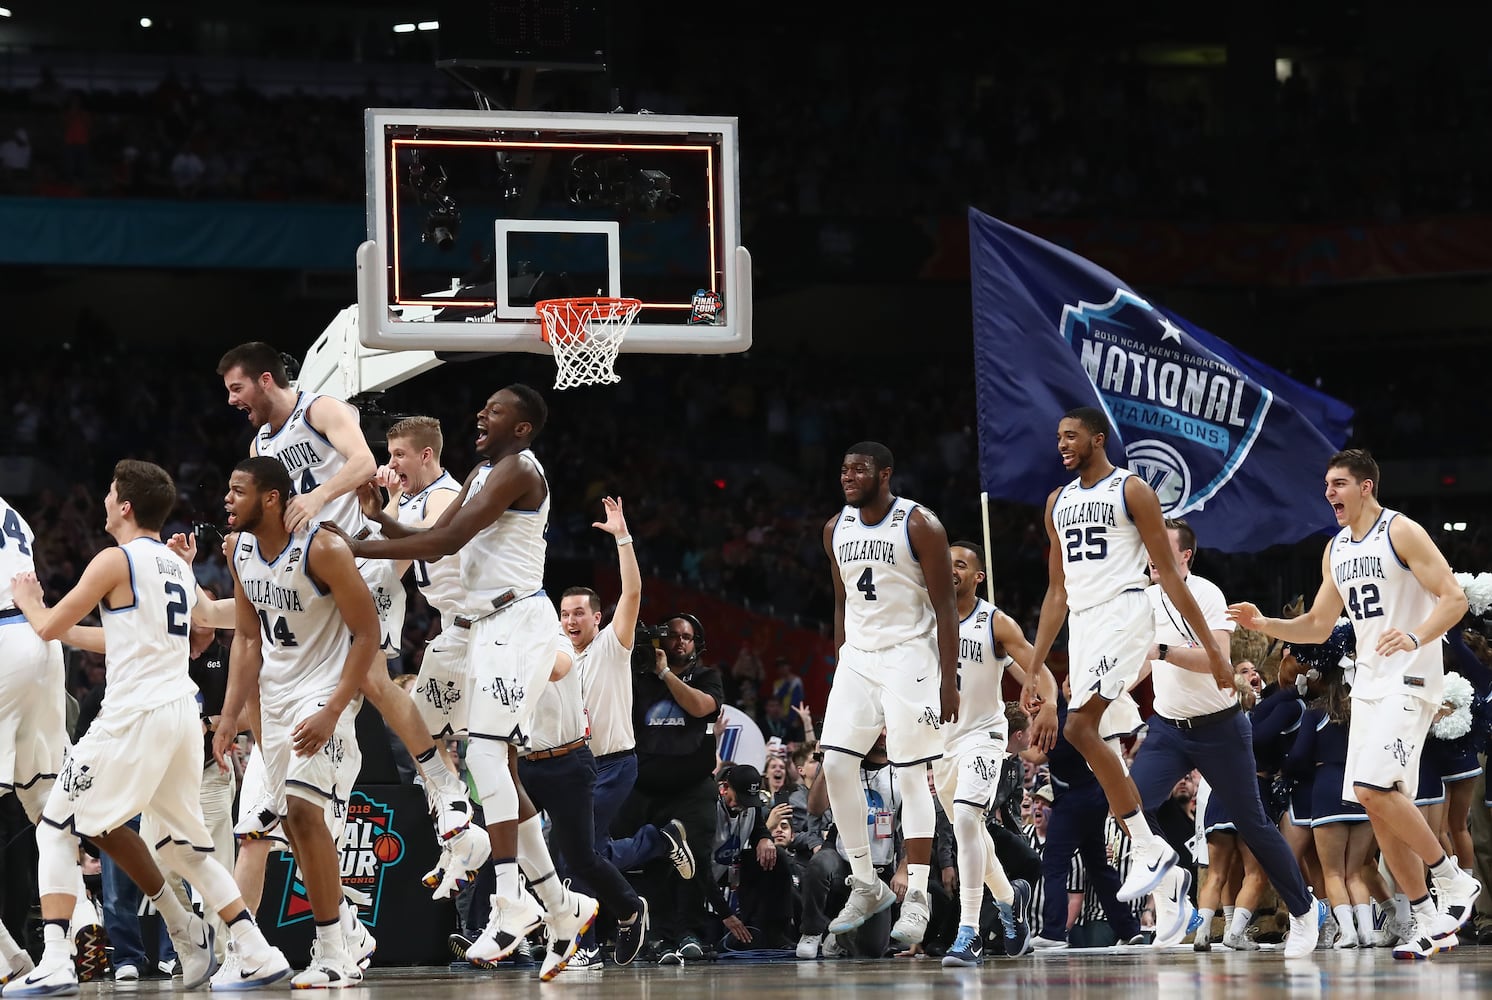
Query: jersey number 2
[176, 609]
[866, 585]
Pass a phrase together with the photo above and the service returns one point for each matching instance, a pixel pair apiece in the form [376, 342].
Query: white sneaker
[361, 944]
[55, 976]
[911, 925]
[866, 900]
[461, 857]
[808, 947]
[15, 966]
[832, 948]
[194, 953]
[1455, 898]
[452, 804]
[126, 973]
[1239, 942]
[258, 821]
[1346, 937]
[1305, 930]
[1039, 943]
[512, 920]
[238, 973]
[336, 973]
[1173, 908]
[1328, 931]
[1417, 945]
[1146, 869]
[566, 925]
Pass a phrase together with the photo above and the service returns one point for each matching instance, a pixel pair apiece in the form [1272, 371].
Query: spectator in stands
[745, 863]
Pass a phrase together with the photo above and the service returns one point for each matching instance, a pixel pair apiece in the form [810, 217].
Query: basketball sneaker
[866, 900]
[1018, 933]
[832, 948]
[258, 821]
[630, 936]
[1147, 867]
[573, 918]
[15, 966]
[512, 920]
[249, 972]
[333, 973]
[1416, 945]
[89, 949]
[967, 950]
[452, 804]
[1304, 931]
[691, 949]
[55, 976]
[1455, 897]
[586, 960]
[1173, 908]
[679, 853]
[1236, 941]
[194, 952]
[361, 944]
[1039, 943]
[461, 857]
[911, 925]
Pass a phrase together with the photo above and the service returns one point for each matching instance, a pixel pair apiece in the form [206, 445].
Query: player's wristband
[1163, 650]
[1413, 638]
[623, 540]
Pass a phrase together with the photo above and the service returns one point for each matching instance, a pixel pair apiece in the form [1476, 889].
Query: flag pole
[989, 578]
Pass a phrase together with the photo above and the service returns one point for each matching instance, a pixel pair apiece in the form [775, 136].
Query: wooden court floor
[1096, 973]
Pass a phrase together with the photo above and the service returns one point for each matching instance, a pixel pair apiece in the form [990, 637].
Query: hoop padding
[586, 334]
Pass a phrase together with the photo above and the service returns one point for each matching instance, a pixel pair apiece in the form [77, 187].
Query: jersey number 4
[278, 634]
[866, 584]
[1086, 543]
[12, 529]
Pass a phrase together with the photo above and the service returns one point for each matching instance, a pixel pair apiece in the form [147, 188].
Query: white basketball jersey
[981, 672]
[885, 593]
[303, 636]
[1381, 592]
[311, 461]
[146, 642]
[440, 580]
[1101, 548]
[508, 554]
[17, 550]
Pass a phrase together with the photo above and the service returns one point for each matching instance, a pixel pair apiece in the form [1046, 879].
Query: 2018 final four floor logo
[370, 845]
[1188, 418]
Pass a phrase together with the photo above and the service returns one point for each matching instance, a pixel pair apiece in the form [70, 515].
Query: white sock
[1343, 913]
[1140, 835]
[331, 943]
[917, 878]
[860, 865]
[172, 912]
[537, 865]
[508, 885]
[1239, 922]
[1204, 932]
[1363, 912]
[1423, 909]
[1227, 920]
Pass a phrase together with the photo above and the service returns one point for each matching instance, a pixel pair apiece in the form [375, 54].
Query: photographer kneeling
[675, 700]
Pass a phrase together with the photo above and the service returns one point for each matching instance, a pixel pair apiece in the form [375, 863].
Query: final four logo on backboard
[706, 308]
[369, 847]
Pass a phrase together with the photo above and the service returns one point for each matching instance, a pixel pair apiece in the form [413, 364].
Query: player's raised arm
[1425, 561]
[1313, 626]
[1144, 508]
[624, 618]
[1053, 607]
[337, 422]
[929, 543]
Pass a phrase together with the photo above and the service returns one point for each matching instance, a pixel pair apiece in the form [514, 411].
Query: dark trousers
[824, 893]
[764, 898]
[677, 906]
[122, 920]
[1015, 853]
[616, 773]
[1223, 752]
[563, 787]
[1076, 824]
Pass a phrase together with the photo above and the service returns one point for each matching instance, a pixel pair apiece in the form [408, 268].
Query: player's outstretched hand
[615, 523]
[1246, 615]
[184, 544]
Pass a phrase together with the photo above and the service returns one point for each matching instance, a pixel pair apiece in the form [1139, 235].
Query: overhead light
[428, 25]
[4, 11]
[146, 22]
[403, 29]
[1460, 526]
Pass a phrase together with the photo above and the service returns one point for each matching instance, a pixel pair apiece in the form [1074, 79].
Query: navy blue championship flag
[1234, 446]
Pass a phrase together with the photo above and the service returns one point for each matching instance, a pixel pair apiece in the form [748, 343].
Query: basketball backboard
[473, 216]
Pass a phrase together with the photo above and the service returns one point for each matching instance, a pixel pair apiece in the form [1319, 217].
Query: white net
[586, 335]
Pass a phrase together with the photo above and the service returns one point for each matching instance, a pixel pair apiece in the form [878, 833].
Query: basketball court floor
[1109, 974]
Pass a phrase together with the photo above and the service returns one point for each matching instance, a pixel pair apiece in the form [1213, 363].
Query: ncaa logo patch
[706, 308]
[370, 845]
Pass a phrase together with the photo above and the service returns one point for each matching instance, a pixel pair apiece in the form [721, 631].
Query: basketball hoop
[586, 335]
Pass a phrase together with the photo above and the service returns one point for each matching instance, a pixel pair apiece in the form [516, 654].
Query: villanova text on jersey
[297, 457]
[1359, 568]
[271, 595]
[1085, 513]
[867, 550]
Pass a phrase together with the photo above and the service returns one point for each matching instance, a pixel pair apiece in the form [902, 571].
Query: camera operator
[676, 699]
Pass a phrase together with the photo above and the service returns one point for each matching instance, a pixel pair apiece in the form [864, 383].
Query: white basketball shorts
[326, 777]
[1384, 743]
[894, 688]
[33, 710]
[442, 692]
[510, 656]
[1107, 645]
[969, 774]
[132, 763]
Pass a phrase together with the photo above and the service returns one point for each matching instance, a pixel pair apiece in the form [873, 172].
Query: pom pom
[1478, 590]
[1459, 693]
